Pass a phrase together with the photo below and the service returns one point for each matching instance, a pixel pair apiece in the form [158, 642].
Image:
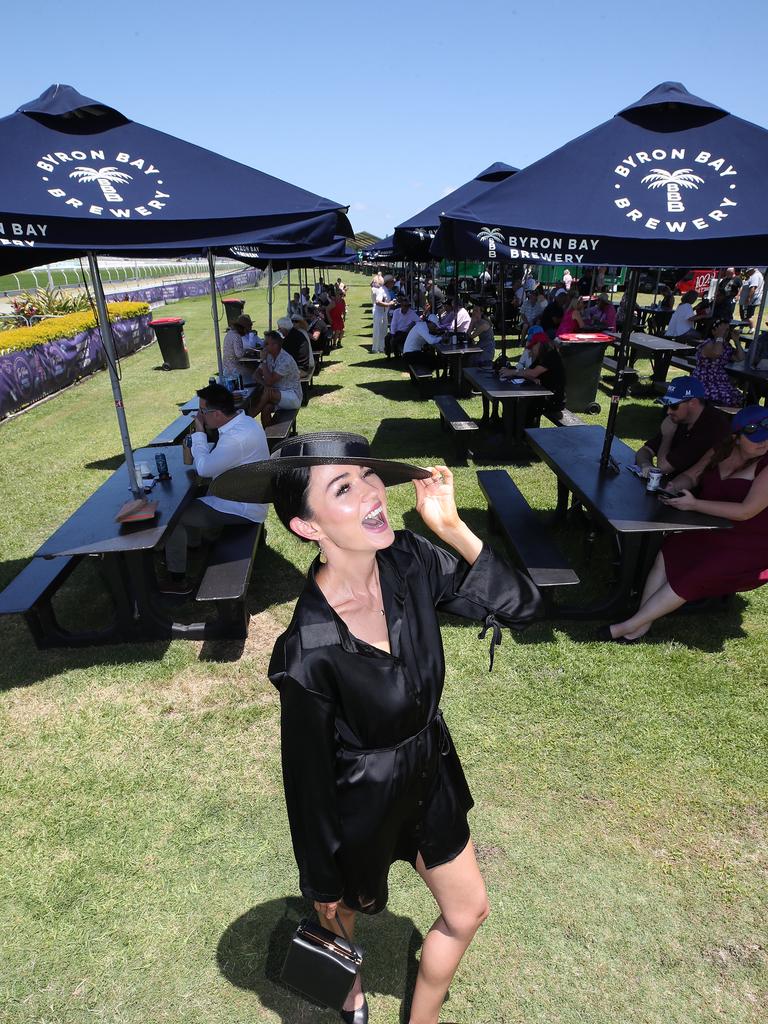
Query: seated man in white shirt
[280, 375]
[403, 319]
[419, 343]
[682, 324]
[241, 440]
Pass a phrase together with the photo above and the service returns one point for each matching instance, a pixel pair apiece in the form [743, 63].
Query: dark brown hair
[289, 495]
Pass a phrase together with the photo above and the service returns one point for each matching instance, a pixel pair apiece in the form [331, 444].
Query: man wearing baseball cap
[689, 429]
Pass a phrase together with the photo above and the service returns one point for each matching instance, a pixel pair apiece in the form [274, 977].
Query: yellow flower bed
[68, 326]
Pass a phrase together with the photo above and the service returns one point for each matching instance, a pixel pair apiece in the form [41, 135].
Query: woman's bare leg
[661, 602]
[459, 890]
[355, 998]
[655, 580]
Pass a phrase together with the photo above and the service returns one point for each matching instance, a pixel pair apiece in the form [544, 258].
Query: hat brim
[253, 482]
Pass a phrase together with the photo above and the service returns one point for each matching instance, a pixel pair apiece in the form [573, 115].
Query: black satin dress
[370, 773]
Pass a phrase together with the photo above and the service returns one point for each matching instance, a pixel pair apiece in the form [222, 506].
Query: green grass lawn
[146, 872]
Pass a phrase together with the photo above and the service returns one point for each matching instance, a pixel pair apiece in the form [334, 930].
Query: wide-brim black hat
[253, 481]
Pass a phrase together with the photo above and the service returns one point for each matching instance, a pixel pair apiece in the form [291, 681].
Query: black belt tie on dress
[437, 718]
[492, 624]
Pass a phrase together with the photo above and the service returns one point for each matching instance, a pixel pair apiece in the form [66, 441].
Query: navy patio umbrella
[671, 180]
[85, 178]
[384, 249]
[414, 236]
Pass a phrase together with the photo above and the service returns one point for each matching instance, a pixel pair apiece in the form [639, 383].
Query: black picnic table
[511, 396]
[754, 381]
[660, 352]
[619, 502]
[454, 359]
[126, 549]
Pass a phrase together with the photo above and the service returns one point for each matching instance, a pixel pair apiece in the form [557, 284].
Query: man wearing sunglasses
[241, 440]
[689, 429]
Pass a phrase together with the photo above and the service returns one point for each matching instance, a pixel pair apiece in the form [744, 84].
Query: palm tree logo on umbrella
[491, 234]
[673, 181]
[106, 178]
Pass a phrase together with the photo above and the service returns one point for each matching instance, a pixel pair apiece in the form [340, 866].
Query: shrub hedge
[68, 326]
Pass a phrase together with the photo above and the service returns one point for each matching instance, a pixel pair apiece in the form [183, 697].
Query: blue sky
[383, 107]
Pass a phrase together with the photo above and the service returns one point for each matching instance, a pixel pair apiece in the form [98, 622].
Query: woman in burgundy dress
[732, 483]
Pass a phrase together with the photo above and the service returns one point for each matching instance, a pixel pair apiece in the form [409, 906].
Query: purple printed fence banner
[33, 373]
[187, 289]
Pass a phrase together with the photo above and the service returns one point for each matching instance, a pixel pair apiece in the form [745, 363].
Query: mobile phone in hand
[667, 494]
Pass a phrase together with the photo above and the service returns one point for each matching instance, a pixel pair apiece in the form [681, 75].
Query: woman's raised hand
[435, 501]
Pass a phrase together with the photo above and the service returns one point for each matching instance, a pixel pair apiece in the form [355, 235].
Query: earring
[323, 559]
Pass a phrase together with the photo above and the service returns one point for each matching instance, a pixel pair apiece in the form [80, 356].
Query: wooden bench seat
[283, 425]
[565, 418]
[228, 574]
[453, 418]
[523, 530]
[173, 433]
[30, 593]
[420, 376]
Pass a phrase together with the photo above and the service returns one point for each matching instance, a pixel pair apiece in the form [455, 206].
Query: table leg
[661, 363]
[617, 603]
[563, 494]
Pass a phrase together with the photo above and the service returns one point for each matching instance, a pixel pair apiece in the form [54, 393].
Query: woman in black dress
[370, 772]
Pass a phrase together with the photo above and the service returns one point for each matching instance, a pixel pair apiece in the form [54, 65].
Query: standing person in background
[383, 302]
[567, 279]
[295, 306]
[335, 311]
[751, 294]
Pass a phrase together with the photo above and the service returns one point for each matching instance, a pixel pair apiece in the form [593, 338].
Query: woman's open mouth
[376, 519]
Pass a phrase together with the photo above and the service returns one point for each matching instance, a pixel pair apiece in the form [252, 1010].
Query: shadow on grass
[382, 364]
[251, 952]
[274, 581]
[112, 463]
[417, 441]
[401, 390]
[323, 389]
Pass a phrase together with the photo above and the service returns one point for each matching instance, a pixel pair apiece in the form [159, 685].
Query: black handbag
[320, 965]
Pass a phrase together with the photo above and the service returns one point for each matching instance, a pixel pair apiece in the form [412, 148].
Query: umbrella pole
[752, 350]
[607, 462]
[503, 315]
[215, 312]
[288, 268]
[108, 342]
[656, 286]
[269, 286]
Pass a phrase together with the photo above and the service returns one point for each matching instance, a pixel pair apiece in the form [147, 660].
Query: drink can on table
[162, 467]
[654, 480]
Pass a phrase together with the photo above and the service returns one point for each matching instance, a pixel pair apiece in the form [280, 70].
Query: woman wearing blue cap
[732, 483]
